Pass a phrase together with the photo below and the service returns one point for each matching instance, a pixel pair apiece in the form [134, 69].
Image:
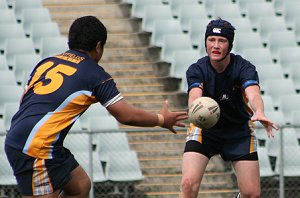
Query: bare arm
[193, 94]
[130, 115]
[256, 102]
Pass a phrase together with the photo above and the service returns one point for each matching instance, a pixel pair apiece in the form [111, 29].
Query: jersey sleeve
[107, 93]
[194, 76]
[248, 75]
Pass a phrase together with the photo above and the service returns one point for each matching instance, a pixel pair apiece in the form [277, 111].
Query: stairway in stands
[144, 82]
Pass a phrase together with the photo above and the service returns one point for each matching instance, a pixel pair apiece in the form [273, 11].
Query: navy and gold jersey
[227, 88]
[59, 90]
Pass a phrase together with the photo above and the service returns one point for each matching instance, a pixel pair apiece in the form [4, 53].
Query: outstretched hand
[172, 119]
[268, 124]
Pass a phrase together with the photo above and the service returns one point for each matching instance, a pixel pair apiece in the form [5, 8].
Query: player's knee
[188, 185]
[251, 193]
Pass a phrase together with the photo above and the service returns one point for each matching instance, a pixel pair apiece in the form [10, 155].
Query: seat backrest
[246, 40]
[11, 30]
[163, 27]
[244, 3]
[102, 123]
[25, 46]
[196, 30]
[288, 103]
[43, 29]
[173, 42]
[277, 40]
[290, 12]
[139, 6]
[188, 12]
[225, 11]
[9, 93]
[288, 55]
[210, 3]
[7, 16]
[20, 5]
[153, 13]
[123, 166]
[24, 62]
[256, 10]
[7, 77]
[34, 15]
[176, 4]
[270, 24]
[258, 55]
[53, 45]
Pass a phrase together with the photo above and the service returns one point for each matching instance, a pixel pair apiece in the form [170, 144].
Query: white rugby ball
[204, 112]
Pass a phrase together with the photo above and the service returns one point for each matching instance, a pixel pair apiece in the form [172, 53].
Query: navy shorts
[41, 176]
[233, 143]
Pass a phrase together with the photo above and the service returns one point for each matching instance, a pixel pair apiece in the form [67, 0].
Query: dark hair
[85, 32]
[220, 27]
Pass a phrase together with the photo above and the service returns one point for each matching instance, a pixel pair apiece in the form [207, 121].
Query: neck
[221, 65]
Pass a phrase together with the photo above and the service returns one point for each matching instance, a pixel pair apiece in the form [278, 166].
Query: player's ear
[99, 47]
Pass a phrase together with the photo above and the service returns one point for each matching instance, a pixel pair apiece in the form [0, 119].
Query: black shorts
[41, 176]
[242, 146]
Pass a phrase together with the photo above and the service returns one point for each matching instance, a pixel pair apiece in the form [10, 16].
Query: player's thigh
[79, 183]
[247, 173]
[51, 195]
[193, 166]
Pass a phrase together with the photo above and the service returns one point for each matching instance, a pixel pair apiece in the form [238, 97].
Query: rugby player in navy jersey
[59, 90]
[233, 82]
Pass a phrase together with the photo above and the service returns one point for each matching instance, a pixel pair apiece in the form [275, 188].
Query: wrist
[160, 119]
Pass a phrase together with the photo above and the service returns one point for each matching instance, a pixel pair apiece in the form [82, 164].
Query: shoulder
[200, 64]
[241, 62]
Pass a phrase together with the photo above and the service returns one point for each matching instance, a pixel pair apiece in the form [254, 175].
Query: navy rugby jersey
[227, 88]
[59, 90]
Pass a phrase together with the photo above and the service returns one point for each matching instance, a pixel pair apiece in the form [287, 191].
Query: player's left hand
[268, 124]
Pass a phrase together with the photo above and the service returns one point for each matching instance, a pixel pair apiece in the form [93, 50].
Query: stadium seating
[102, 124]
[246, 40]
[3, 63]
[7, 16]
[291, 12]
[34, 15]
[123, 166]
[3, 4]
[188, 12]
[264, 163]
[95, 110]
[277, 40]
[25, 46]
[155, 12]
[24, 63]
[295, 75]
[9, 31]
[163, 27]
[288, 56]
[226, 11]
[20, 5]
[138, 7]
[286, 87]
[43, 29]
[244, 3]
[53, 45]
[241, 24]
[257, 10]
[258, 55]
[176, 4]
[2, 127]
[288, 103]
[173, 42]
[7, 77]
[210, 3]
[9, 93]
[270, 24]
[110, 142]
[269, 72]
[196, 30]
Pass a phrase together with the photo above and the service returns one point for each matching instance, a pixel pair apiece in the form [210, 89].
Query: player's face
[217, 47]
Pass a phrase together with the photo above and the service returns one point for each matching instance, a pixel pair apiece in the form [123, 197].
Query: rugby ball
[204, 112]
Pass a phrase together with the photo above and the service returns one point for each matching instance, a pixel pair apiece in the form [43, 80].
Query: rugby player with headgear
[59, 91]
[233, 82]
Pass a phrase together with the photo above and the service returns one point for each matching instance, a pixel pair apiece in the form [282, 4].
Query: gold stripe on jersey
[40, 178]
[47, 130]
